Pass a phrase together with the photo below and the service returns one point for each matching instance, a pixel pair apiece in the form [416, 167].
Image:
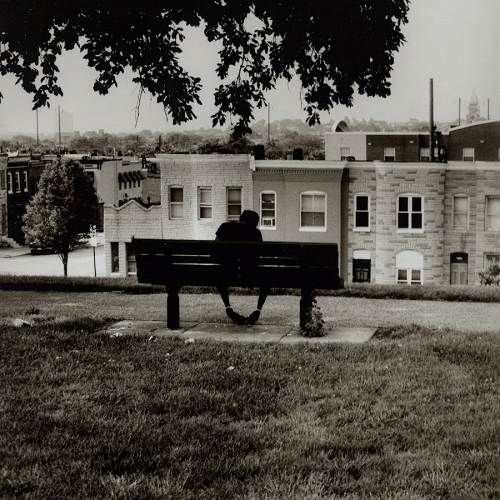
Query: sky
[456, 43]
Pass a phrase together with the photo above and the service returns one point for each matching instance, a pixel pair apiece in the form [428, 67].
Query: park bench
[178, 263]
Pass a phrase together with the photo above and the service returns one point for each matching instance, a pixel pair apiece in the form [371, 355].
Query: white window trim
[204, 205]
[10, 184]
[313, 229]
[25, 181]
[468, 150]
[170, 202]
[229, 218]
[460, 228]
[409, 281]
[261, 225]
[389, 150]
[18, 182]
[410, 229]
[362, 229]
[486, 215]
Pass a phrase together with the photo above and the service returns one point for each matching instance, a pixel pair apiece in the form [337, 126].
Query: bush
[315, 326]
[490, 276]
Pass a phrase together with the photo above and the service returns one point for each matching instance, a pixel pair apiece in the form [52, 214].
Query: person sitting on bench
[244, 230]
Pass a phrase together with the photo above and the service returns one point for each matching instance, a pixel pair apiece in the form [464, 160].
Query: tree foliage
[63, 209]
[334, 47]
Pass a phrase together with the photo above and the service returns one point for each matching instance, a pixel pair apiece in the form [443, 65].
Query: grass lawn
[412, 414]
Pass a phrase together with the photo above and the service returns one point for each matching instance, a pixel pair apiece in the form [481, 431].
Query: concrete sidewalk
[227, 332]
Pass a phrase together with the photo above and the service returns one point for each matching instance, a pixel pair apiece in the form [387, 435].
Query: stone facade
[447, 204]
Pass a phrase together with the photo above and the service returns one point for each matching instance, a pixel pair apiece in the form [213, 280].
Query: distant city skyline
[459, 48]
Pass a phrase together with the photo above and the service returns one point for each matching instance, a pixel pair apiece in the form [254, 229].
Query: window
[362, 212]
[25, 181]
[491, 259]
[410, 212]
[468, 154]
[115, 257]
[361, 270]
[9, 182]
[345, 153]
[425, 155]
[492, 213]
[233, 203]
[176, 203]
[409, 267]
[205, 211]
[131, 261]
[268, 209]
[2, 179]
[313, 211]
[389, 154]
[459, 268]
[18, 182]
[460, 211]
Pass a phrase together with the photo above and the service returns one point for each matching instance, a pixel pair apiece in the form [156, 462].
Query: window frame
[343, 150]
[272, 226]
[410, 212]
[409, 272]
[388, 156]
[18, 182]
[10, 185]
[468, 157]
[356, 210]
[454, 212]
[487, 214]
[230, 217]
[171, 203]
[319, 229]
[25, 181]
[202, 205]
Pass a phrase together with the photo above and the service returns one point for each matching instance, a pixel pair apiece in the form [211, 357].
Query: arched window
[409, 267]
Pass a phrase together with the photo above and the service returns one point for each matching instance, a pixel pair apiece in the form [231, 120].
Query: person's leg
[224, 293]
[263, 292]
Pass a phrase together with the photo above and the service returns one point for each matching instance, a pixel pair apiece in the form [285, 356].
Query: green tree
[334, 47]
[63, 209]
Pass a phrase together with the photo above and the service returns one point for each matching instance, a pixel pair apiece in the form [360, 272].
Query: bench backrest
[200, 262]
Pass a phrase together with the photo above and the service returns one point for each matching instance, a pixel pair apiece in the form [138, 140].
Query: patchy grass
[413, 414]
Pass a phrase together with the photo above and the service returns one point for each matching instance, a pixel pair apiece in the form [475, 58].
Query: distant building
[474, 111]
[396, 216]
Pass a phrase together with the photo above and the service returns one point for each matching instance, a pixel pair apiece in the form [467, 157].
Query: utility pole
[268, 123]
[431, 122]
[37, 138]
[459, 107]
[59, 122]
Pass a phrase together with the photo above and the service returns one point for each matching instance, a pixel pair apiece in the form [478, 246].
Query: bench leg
[306, 301]
[173, 315]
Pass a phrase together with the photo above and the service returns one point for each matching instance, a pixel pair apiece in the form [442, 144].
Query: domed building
[474, 113]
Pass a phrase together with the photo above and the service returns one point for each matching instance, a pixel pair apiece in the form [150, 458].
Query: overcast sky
[454, 42]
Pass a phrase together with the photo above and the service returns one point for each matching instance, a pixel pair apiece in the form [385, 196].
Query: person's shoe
[237, 318]
[253, 317]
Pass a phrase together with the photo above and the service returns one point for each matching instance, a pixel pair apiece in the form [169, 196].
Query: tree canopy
[63, 209]
[335, 48]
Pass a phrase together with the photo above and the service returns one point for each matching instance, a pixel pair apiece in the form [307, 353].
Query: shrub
[315, 326]
[491, 275]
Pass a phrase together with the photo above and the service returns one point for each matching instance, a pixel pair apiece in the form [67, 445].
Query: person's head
[250, 217]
